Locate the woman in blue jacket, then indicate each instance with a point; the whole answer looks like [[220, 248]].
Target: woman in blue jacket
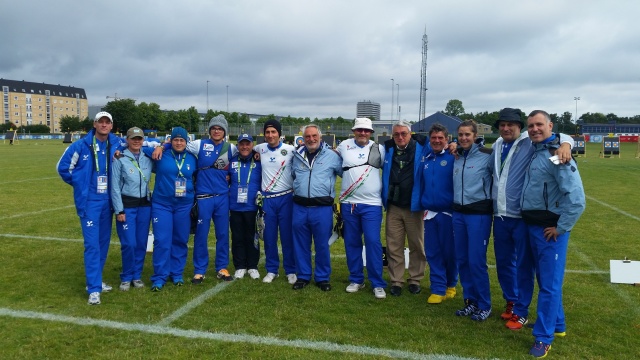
[[131, 200], [170, 207], [472, 217]]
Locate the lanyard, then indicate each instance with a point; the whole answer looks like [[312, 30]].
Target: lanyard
[[135, 163], [178, 165], [95, 156], [240, 173]]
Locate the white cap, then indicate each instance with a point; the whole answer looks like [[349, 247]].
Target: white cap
[[102, 114], [362, 123]]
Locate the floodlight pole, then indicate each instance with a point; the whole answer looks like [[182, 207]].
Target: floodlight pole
[[576, 98]]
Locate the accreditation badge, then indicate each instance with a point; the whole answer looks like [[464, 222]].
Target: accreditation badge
[[243, 192], [102, 184], [181, 187]]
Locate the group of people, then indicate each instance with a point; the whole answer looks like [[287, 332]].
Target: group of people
[[441, 198]]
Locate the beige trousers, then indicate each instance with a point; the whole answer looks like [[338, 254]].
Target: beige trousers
[[403, 223]]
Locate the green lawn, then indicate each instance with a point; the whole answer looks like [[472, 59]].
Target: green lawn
[[44, 312]]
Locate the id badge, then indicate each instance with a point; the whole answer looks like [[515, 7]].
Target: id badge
[[243, 191], [181, 187], [102, 184]]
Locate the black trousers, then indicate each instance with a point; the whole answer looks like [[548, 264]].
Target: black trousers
[[243, 229]]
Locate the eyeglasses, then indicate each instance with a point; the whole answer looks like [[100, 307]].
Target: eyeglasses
[[401, 134], [363, 130], [217, 129]]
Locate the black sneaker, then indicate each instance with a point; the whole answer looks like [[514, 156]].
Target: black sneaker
[[396, 291], [414, 289], [469, 309], [324, 285], [300, 284], [197, 279]]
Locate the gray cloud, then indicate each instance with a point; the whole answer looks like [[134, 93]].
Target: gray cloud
[[318, 58]]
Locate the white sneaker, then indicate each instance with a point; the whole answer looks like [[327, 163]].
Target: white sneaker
[[379, 293], [269, 277], [138, 284], [240, 273], [254, 274], [94, 298], [125, 286], [292, 278], [354, 287], [105, 287]]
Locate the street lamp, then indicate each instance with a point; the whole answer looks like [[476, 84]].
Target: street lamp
[[392, 90], [576, 98], [398, 100], [207, 97]]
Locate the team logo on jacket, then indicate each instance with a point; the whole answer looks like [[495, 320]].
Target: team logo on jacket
[[207, 147], [443, 163], [85, 157], [360, 156], [283, 152], [130, 171], [207, 153]]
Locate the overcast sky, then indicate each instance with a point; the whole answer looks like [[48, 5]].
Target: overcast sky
[[319, 58]]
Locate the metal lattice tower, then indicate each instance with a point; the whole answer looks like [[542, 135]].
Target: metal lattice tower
[[423, 78]]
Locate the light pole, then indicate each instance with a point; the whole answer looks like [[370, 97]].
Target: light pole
[[392, 90], [398, 101], [207, 97], [576, 98]]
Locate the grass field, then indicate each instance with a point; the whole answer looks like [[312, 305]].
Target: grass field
[[44, 312]]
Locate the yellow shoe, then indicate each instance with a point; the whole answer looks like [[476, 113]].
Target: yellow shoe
[[560, 334], [451, 293], [436, 299]]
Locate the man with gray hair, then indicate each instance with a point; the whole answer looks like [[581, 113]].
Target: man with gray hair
[[401, 198], [314, 171], [212, 194]]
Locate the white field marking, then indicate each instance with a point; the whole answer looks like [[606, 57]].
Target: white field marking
[[27, 180], [34, 212], [631, 303], [335, 256], [194, 303], [613, 208], [227, 337]]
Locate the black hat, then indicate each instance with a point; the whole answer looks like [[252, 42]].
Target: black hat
[[510, 115], [275, 124]]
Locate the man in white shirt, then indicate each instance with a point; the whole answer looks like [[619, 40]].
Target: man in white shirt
[[277, 192], [361, 206]]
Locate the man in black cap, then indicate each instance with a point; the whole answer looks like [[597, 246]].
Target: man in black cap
[[277, 193], [511, 155]]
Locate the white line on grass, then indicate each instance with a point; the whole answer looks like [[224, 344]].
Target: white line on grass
[[34, 212], [27, 180], [199, 300], [226, 337], [612, 208], [335, 256]]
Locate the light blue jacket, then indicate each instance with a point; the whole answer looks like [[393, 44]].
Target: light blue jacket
[[77, 165], [552, 193], [314, 184], [472, 181], [127, 180], [508, 178]]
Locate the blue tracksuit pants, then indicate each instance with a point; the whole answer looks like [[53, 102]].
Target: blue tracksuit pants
[[359, 220], [550, 258], [507, 232], [278, 211], [440, 249], [471, 233], [133, 234], [171, 225], [216, 208], [312, 222], [96, 231]]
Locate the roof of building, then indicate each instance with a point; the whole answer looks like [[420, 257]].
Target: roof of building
[[40, 88], [450, 122]]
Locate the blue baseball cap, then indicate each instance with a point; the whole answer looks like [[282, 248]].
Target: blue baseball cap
[[178, 133], [245, 137]]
